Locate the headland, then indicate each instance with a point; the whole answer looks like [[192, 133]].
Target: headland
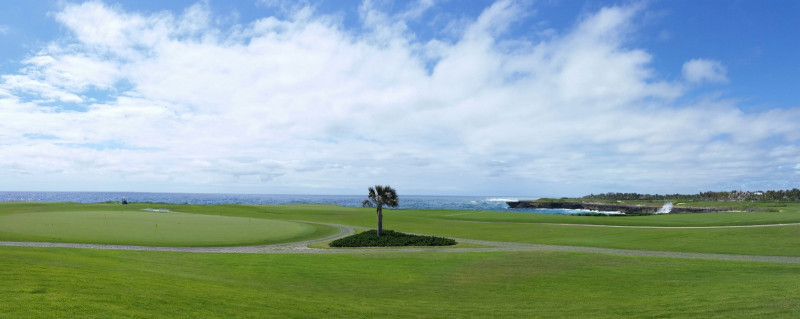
[[628, 209]]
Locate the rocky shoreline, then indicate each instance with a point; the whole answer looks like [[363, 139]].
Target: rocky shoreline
[[628, 209]]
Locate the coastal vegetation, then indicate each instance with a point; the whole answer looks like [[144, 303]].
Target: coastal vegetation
[[617, 207], [792, 195], [379, 196], [370, 238]]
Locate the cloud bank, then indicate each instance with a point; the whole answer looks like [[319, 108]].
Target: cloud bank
[[301, 104]]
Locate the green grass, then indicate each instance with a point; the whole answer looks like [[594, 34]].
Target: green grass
[[779, 241], [688, 219], [152, 228], [783, 241], [522, 227], [77, 283], [81, 283], [366, 217]]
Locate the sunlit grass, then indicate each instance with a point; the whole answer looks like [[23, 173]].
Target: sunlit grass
[[78, 283], [781, 240], [152, 228]]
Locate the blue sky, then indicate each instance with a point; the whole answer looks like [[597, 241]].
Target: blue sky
[[532, 98]]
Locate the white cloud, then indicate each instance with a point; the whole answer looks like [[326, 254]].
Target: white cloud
[[4, 29], [62, 76], [301, 104], [47, 91], [703, 70], [418, 8]]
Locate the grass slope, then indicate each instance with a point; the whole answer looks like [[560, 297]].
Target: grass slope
[[77, 283], [58, 282], [152, 228]]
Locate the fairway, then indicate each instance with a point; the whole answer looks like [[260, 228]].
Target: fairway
[[496, 226], [86, 283], [66, 282], [152, 228]]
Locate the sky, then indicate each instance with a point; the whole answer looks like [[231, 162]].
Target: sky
[[432, 97]]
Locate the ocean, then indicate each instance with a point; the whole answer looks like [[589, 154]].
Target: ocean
[[490, 203]]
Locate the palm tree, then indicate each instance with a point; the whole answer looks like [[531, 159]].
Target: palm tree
[[379, 196]]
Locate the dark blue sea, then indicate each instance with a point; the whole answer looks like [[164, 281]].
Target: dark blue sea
[[491, 203]]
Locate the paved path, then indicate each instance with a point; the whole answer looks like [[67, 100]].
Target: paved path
[[346, 230]]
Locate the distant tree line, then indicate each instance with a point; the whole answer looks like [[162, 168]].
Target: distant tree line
[[771, 195]]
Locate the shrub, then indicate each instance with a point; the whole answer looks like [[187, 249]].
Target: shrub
[[390, 238]]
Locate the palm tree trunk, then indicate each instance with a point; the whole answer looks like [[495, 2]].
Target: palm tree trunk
[[380, 220]]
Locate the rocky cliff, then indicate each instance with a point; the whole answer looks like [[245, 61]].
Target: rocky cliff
[[629, 209]]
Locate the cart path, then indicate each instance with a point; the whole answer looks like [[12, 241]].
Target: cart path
[[347, 230]]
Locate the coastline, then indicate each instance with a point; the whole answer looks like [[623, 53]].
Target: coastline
[[627, 209]]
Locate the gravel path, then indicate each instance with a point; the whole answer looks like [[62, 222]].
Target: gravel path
[[347, 230]]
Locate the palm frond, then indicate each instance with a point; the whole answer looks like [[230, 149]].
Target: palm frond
[[383, 195], [373, 195], [366, 203], [390, 197]]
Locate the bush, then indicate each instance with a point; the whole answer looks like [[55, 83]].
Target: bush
[[390, 238]]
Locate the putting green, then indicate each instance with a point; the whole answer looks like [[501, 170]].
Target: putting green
[[152, 228]]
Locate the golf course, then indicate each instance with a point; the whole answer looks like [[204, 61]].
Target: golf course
[[261, 261], [399, 159], [152, 228]]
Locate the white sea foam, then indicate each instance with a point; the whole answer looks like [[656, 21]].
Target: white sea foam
[[665, 209]]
